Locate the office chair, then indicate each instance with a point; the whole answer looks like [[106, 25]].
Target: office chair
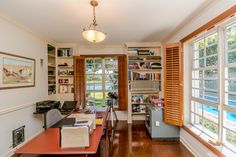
[[52, 117]]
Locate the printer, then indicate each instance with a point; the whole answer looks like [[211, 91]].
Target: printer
[[44, 106]]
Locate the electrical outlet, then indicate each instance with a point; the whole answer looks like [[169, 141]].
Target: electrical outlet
[[157, 123], [18, 136]]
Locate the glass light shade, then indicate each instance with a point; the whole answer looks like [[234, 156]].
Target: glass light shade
[[94, 35]]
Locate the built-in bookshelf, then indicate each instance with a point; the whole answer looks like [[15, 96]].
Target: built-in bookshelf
[[144, 77], [51, 70], [65, 70]]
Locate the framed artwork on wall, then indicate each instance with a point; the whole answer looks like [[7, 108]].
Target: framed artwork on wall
[[16, 71]]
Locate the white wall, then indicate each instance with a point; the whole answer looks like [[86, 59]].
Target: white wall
[[205, 16], [17, 105]]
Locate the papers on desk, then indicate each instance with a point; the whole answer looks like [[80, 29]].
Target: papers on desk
[[82, 116], [74, 137]]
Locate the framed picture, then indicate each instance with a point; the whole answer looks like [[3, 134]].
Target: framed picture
[[16, 71]]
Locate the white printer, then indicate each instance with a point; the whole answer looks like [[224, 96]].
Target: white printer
[[85, 122]]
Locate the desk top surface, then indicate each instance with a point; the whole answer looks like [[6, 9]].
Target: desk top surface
[[48, 142]]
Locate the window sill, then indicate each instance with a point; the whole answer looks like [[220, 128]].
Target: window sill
[[220, 151]]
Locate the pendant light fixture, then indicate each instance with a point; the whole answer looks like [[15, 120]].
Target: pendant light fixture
[[92, 34]]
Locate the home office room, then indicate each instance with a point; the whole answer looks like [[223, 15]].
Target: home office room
[[107, 78]]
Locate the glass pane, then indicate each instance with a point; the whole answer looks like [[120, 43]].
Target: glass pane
[[111, 78], [197, 74], [231, 30], [211, 113], [211, 126], [89, 78], [210, 73], [231, 42], [211, 50], [210, 84], [232, 57], [198, 108], [97, 79], [231, 86], [98, 60], [197, 121], [98, 68], [111, 71], [210, 96], [98, 95], [232, 72], [89, 61], [230, 99], [210, 61], [99, 103], [199, 45], [197, 83], [97, 86], [230, 120], [199, 54], [89, 86], [109, 86], [211, 39], [197, 93], [89, 68], [230, 137], [90, 97]]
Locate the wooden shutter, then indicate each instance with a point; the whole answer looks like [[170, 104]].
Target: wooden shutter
[[173, 111], [122, 82], [79, 80]]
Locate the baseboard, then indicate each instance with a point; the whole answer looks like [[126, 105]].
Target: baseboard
[[11, 152], [189, 147]]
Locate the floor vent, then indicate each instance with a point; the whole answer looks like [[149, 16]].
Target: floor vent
[[18, 136]]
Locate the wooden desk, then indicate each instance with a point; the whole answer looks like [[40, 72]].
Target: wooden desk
[[48, 142]]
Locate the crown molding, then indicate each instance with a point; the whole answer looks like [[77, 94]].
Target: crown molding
[[27, 29], [205, 6]]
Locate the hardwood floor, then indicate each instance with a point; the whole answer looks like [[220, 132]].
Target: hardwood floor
[[134, 141]]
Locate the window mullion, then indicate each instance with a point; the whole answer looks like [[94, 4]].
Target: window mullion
[[221, 82]]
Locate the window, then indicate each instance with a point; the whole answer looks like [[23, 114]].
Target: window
[[101, 78], [213, 85]]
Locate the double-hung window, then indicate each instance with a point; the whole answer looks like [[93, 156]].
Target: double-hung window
[[213, 84]]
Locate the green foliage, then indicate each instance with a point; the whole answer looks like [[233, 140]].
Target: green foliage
[[231, 137]]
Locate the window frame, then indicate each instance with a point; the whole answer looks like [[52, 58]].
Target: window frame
[[221, 66], [103, 75]]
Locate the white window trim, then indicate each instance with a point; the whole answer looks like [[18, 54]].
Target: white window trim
[[221, 68]]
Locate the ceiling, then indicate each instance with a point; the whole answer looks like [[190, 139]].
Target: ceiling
[[123, 20]]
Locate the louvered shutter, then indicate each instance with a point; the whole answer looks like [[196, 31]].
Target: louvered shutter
[[80, 80], [173, 108]]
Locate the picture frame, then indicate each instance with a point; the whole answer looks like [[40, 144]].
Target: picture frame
[[16, 71]]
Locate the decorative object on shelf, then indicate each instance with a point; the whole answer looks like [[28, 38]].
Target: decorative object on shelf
[[65, 72], [17, 71], [63, 81], [92, 34], [63, 89]]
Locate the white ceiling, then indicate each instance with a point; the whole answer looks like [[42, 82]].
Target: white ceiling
[[123, 20]]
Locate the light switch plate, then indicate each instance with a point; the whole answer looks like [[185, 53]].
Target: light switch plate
[[157, 123]]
